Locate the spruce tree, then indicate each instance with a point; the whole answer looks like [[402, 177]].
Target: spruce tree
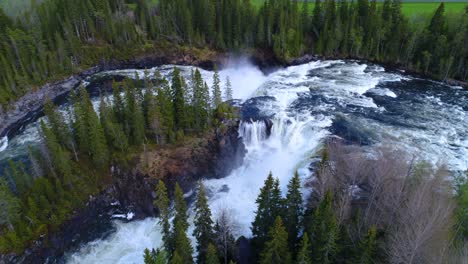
[[211, 256], [9, 205], [59, 157], [113, 130], [203, 231], [59, 126], [164, 101], [177, 259], [324, 232], [178, 100], [17, 172], [148, 257], [97, 140], [294, 211], [182, 247], [216, 90], [201, 102], [162, 203], [229, 92], [366, 251], [304, 254], [276, 248], [270, 206]]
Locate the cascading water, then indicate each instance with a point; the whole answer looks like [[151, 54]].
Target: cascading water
[[294, 110], [3, 143], [306, 103]]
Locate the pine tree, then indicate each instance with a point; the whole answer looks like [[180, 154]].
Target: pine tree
[[304, 256], [211, 256], [182, 246], [17, 172], [203, 231], [437, 25], [134, 117], [217, 100], [178, 100], [270, 206], [177, 259], [162, 203], [88, 129], [366, 252], [164, 101], [59, 127], [276, 248], [201, 102], [114, 132], [324, 232], [59, 157], [148, 257], [294, 211], [229, 92], [98, 145], [317, 20], [9, 205]]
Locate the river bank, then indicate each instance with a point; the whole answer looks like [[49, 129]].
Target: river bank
[[338, 88], [29, 106], [131, 194]]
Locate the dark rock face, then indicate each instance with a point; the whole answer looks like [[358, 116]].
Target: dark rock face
[[133, 191]]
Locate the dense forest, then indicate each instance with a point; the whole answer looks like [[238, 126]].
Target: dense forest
[[396, 201], [56, 38], [79, 147], [400, 213]]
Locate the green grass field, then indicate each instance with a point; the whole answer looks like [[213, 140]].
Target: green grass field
[[409, 8]]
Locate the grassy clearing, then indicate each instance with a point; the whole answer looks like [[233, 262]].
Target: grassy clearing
[[409, 8]]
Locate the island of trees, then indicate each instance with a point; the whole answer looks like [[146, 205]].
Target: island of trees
[[75, 156], [57, 38]]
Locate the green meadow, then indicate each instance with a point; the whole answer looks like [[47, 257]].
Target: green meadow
[[409, 8]]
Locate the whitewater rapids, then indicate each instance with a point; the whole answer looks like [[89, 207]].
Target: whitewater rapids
[[307, 103]]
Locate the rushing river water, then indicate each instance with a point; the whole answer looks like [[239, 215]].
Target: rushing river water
[[307, 103]]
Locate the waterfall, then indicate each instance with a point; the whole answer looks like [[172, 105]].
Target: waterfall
[[253, 133], [3, 143], [306, 100]]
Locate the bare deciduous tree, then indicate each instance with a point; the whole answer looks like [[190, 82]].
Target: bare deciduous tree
[[225, 228], [413, 203]]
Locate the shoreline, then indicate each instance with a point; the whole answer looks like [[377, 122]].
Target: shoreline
[[30, 105]]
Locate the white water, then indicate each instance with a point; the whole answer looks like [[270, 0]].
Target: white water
[[3, 143], [294, 138], [307, 100]]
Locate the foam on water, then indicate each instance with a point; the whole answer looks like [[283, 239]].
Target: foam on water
[[430, 122], [307, 99], [124, 246], [3, 143]]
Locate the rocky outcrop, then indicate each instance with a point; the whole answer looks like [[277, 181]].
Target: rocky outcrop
[[132, 189], [212, 156]]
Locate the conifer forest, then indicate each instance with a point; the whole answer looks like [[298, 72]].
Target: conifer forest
[[234, 131]]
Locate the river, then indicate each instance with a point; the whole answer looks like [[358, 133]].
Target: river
[[306, 103]]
